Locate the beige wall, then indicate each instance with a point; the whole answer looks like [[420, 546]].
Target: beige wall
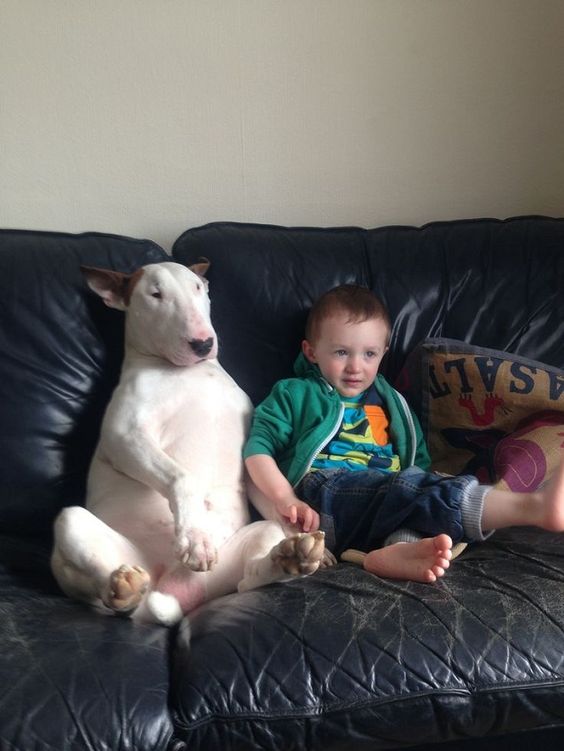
[[148, 116]]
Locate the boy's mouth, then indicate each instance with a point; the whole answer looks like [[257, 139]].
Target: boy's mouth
[[352, 382]]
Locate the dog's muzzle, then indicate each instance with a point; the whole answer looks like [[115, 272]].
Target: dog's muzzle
[[201, 347]]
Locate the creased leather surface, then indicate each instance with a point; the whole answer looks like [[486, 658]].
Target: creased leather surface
[[71, 678], [343, 660]]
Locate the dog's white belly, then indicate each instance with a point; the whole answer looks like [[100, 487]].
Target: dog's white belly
[[136, 511], [205, 431], [200, 420]]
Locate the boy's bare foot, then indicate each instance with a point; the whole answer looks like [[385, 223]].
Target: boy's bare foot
[[422, 561]]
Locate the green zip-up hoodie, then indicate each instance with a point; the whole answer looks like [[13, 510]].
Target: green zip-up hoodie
[[301, 414]]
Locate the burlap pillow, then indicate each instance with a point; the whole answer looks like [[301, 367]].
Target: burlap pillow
[[495, 415]]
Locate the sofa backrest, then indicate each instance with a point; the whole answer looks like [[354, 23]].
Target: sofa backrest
[[499, 284], [494, 283], [60, 354]]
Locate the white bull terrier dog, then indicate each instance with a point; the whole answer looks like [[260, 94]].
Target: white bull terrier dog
[[166, 524]]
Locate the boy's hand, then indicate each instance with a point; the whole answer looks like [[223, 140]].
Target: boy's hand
[[267, 478], [301, 514]]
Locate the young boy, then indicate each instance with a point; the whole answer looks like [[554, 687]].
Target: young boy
[[338, 449]]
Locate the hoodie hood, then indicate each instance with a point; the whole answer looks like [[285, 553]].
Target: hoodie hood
[[303, 368]]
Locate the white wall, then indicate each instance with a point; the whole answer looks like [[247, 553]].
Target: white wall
[[146, 117]]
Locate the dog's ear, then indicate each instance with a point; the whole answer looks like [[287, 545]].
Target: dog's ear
[[114, 287], [201, 266]]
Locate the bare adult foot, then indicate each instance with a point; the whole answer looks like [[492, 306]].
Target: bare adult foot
[[300, 554], [552, 498], [541, 508], [127, 586], [423, 561]]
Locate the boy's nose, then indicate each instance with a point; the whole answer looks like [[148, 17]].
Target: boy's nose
[[353, 364]]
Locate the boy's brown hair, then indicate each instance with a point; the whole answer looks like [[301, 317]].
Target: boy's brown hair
[[359, 303]]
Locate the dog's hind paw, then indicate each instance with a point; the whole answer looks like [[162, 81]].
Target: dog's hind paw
[[300, 554], [328, 559], [127, 587]]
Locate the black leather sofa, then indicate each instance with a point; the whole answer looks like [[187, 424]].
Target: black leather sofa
[[342, 659]]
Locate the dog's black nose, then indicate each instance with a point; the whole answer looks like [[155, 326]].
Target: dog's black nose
[[201, 347]]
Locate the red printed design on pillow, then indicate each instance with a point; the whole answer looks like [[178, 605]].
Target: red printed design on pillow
[[520, 463], [492, 414], [524, 458], [486, 415]]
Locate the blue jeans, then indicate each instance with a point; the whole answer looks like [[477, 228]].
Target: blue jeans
[[359, 509]]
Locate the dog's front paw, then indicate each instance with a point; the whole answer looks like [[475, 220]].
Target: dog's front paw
[[195, 549]]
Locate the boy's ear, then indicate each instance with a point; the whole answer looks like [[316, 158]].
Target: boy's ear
[[307, 349]]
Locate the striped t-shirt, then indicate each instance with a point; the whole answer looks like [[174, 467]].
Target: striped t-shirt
[[362, 440]]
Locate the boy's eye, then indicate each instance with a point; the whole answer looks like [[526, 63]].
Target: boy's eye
[[341, 352], [371, 354]]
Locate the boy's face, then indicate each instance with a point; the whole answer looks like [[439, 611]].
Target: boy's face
[[348, 353]]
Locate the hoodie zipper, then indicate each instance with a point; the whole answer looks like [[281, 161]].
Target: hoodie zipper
[[324, 441], [411, 426]]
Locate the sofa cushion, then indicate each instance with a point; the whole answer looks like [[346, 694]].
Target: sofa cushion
[[345, 660], [490, 413], [71, 678], [447, 279], [61, 353]]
